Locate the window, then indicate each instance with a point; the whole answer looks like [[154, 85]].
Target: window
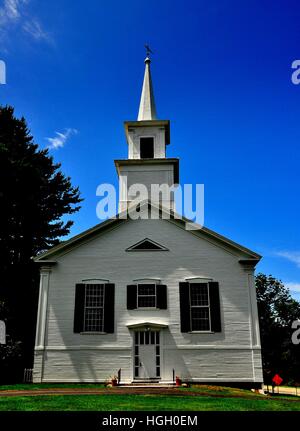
[[200, 309], [93, 308], [147, 245], [202, 301], [146, 295], [147, 148]]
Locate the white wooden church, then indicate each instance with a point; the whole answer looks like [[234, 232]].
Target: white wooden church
[[148, 297]]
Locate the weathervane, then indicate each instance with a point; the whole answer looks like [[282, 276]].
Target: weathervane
[[148, 50]]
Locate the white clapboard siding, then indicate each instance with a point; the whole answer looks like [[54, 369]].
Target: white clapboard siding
[[227, 356]]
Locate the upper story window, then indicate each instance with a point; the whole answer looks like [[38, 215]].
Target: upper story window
[[147, 148]]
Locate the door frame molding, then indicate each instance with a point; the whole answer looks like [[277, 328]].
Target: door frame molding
[[141, 329]]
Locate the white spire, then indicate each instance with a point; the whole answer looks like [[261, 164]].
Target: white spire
[[147, 110]]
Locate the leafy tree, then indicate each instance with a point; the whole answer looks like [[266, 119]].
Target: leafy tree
[[34, 196], [277, 311]]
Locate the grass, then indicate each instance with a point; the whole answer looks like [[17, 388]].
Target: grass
[[210, 398], [143, 403]]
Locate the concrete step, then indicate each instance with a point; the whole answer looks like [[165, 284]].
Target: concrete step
[[148, 384]]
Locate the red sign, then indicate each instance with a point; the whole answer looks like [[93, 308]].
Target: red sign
[[277, 380]]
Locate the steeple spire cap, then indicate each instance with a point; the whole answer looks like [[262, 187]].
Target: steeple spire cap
[[147, 109]]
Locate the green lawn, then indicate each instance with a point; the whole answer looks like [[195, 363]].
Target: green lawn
[[209, 398], [143, 402]]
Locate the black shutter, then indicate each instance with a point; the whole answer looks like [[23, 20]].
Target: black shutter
[[161, 296], [184, 295], [79, 308], [131, 296], [215, 312], [109, 308]]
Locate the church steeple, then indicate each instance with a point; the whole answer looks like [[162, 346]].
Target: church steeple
[[147, 110], [147, 139]]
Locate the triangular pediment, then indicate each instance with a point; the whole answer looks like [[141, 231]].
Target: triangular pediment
[[147, 244], [48, 257]]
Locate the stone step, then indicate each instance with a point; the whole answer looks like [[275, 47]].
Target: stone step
[[147, 385]]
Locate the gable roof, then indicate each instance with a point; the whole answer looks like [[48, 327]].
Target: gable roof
[[122, 218]]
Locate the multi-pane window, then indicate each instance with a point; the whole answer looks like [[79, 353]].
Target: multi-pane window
[[94, 308], [146, 295], [200, 307]]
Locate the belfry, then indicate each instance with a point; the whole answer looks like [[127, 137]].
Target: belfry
[[147, 140]]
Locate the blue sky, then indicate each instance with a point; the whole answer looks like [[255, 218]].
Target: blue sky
[[222, 75]]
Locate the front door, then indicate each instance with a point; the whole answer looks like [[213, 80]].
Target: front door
[[146, 355], [147, 362]]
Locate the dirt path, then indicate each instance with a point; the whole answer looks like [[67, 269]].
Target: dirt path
[[101, 391]]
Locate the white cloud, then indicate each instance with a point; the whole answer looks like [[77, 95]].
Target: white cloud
[[61, 138], [11, 11], [292, 256], [14, 15], [292, 286], [34, 28]]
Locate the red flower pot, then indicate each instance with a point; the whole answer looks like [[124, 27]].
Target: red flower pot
[[178, 381]]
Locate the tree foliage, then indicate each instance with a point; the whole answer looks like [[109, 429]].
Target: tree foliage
[[10, 353], [34, 193], [277, 311], [35, 198]]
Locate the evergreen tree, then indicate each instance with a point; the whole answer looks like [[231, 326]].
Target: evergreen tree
[[34, 196]]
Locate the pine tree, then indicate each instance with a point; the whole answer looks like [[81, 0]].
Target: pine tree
[[34, 196]]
